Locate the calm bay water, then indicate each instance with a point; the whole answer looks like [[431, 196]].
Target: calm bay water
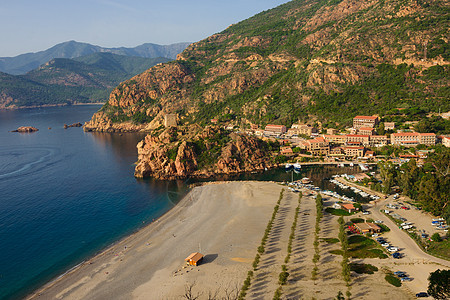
[[66, 194]]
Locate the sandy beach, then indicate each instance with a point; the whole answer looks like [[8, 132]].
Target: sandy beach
[[226, 222]]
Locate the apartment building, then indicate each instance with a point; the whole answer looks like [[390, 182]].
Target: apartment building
[[275, 129], [365, 121], [411, 139], [356, 139], [354, 151]]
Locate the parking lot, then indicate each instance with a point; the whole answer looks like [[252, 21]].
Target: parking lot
[[417, 264], [418, 218]]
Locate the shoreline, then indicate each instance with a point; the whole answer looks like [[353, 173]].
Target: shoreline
[[104, 251], [138, 259]]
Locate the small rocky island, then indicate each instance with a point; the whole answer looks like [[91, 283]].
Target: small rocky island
[[73, 125], [26, 129]]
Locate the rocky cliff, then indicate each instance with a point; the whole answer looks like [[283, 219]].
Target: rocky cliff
[[330, 59], [195, 152]]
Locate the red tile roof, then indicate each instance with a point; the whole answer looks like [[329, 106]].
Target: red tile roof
[[366, 117]]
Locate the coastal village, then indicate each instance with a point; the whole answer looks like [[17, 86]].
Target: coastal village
[[305, 142]]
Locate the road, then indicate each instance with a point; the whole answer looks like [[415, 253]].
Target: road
[[415, 262]]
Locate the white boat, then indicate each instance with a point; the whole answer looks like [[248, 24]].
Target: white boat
[[363, 167], [305, 180]]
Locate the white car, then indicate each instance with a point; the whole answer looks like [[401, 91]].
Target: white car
[[385, 245], [392, 249], [378, 221]]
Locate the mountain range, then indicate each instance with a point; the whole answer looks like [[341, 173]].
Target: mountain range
[[88, 78], [308, 60], [24, 63]]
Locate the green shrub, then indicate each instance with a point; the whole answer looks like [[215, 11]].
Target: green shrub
[[395, 281], [363, 268], [282, 278], [331, 240], [277, 295], [357, 220], [436, 237]]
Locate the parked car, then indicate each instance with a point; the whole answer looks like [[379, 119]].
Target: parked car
[[385, 245], [406, 279], [424, 235], [399, 272], [378, 221], [392, 249], [403, 275], [396, 255], [366, 212], [422, 294]]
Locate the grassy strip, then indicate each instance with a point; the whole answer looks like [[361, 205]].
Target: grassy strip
[[283, 276], [337, 212], [319, 215], [261, 249], [344, 246]]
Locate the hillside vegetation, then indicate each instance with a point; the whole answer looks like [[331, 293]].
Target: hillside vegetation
[[326, 60]]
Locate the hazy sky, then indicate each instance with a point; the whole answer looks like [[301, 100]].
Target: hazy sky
[[35, 25]]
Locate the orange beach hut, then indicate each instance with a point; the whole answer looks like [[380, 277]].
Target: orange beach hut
[[194, 259]]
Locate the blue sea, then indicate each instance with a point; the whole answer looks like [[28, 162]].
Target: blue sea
[[66, 194]]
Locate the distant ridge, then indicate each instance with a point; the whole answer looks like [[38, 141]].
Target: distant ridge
[[24, 63], [83, 79]]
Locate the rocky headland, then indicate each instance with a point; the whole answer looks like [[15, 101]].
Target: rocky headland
[[195, 152], [26, 129], [102, 123]]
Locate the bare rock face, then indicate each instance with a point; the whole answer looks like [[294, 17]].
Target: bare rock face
[[101, 122], [198, 152], [26, 129]]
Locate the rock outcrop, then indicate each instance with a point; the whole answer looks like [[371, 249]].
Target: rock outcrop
[[73, 125], [26, 129], [102, 123], [175, 154]]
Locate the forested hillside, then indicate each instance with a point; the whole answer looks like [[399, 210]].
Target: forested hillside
[[326, 60]]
